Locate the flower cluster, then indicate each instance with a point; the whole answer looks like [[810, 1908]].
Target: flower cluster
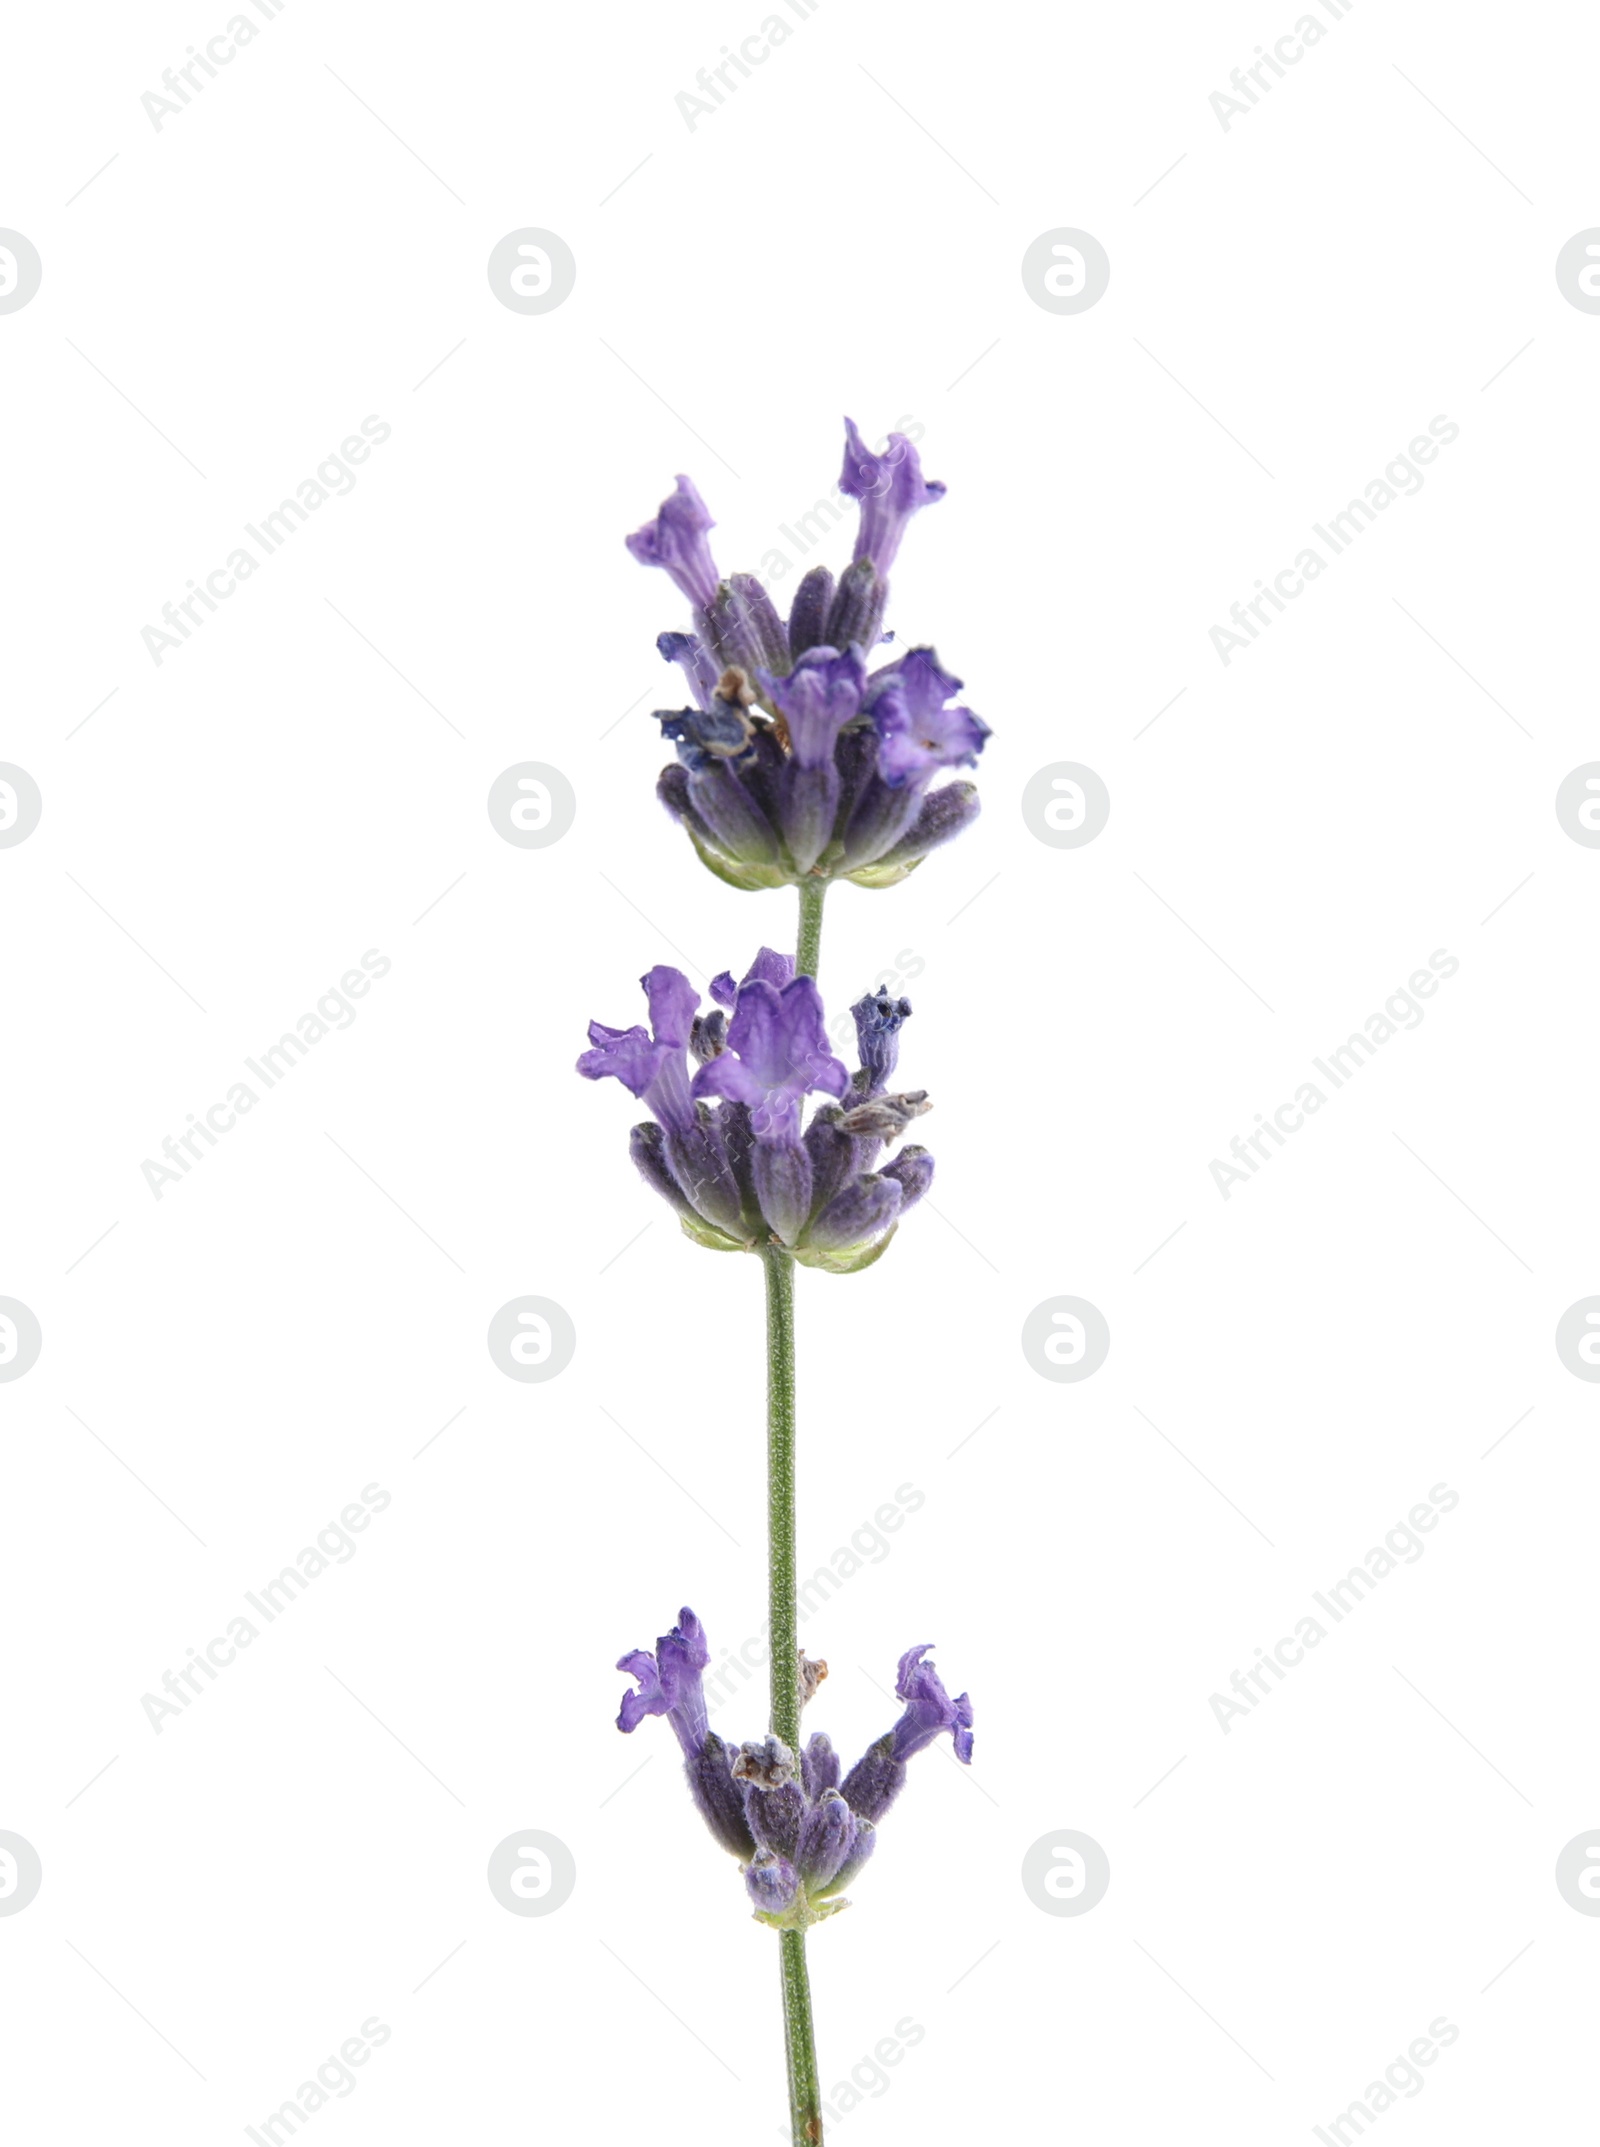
[[725, 1145], [796, 762], [800, 1833]]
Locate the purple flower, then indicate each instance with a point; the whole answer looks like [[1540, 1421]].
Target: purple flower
[[676, 540], [686, 1157], [818, 698], [890, 488], [725, 1148], [929, 1709], [878, 1777], [670, 1683], [800, 1837], [651, 1064], [917, 733], [781, 780], [777, 1053]]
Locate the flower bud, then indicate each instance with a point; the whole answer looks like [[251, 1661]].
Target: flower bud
[[771, 1883]]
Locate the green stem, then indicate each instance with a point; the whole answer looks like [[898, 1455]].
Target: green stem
[[805, 2088], [799, 2041], [780, 1496], [805, 2095], [808, 950]]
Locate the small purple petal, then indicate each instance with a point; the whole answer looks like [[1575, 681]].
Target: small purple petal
[[890, 487], [630, 1056], [818, 698], [672, 1000], [915, 742], [770, 967], [670, 1683], [676, 540]]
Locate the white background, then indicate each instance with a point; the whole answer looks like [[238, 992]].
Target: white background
[[1288, 841]]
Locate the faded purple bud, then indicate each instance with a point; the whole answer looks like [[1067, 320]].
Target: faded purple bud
[[855, 618], [742, 626], [819, 1765], [719, 732], [863, 1211], [672, 788], [813, 1672], [708, 1036], [833, 1156], [690, 653], [946, 813], [734, 820], [718, 1797], [808, 615], [768, 1764], [827, 1835], [676, 540], [782, 1173], [913, 1170], [875, 1780], [775, 1816], [808, 806], [861, 1847], [771, 1883], [885, 1118], [696, 1159], [878, 1020], [645, 1147]]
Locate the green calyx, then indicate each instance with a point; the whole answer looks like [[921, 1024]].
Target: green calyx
[[803, 1911], [844, 1260]]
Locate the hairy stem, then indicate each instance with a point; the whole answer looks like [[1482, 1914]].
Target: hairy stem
[[808, 949], [799, 2042], [805, 2108], [780, 1496], [805, 2088]]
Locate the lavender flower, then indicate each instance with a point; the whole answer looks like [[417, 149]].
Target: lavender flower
[[676, 540], [726, 1146], [670, 1684], [800, 1836], [890, 488], [879, 1775], [794, 762]]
